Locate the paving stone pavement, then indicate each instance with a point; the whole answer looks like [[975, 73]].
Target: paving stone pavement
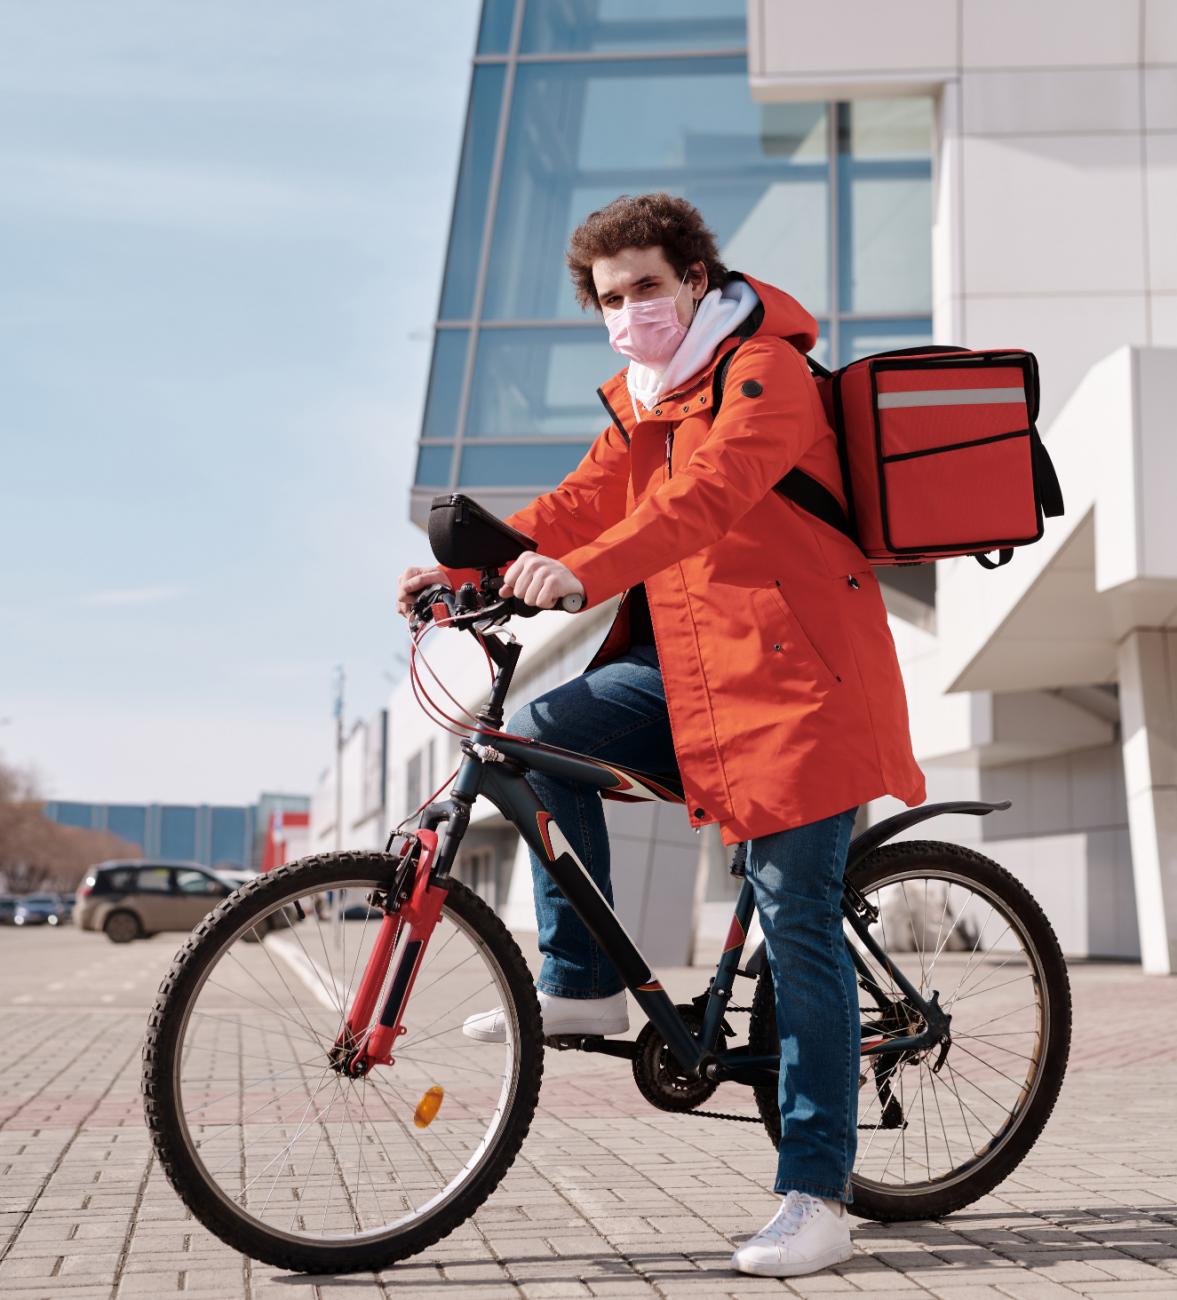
[[609, 1197]]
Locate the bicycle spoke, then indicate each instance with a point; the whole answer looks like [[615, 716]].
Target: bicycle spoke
[[1026, 975], [1019, 1085], [940, 1114], [988, 1039]]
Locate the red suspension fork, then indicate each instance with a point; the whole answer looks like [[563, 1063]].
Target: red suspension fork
[[406, 934]]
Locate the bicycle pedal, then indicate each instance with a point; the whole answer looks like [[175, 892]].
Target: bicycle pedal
[[572, 1042]]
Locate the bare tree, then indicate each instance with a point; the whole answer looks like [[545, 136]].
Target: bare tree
[[36, 853]]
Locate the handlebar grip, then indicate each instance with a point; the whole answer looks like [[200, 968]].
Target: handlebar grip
[[570, 604]]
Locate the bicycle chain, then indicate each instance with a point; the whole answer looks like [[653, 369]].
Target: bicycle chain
[[720, 1114]]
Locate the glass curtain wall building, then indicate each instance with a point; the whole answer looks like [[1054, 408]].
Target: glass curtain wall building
[[573, 102]]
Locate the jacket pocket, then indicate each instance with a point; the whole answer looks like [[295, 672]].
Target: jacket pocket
[[786, 639]]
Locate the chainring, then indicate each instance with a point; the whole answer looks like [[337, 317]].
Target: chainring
[[658, 1075]]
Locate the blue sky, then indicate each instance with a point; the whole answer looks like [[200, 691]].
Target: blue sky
[[221, 236]]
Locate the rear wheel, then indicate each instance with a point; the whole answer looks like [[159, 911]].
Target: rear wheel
[[282, 1155], [122, 927], [940, 1127]]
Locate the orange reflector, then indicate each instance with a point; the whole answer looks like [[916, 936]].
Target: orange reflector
[[428, 1106]]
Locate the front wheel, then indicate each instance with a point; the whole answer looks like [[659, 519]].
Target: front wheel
[[276, 1150], [942, 1126]]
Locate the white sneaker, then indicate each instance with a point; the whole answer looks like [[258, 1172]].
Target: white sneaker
[[806, 1234], [560, 1016]]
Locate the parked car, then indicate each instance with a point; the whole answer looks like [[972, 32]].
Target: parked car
[[7, 909], [133, 900], [39, 909], [67, 907]]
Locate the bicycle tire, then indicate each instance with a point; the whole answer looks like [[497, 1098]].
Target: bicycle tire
[[870, 1200], [163, 1042]]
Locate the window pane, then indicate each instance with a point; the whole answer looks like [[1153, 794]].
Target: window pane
[[445, 384], [433, 466], [623, 25], [863, 338], [885, 210], [534, 465], [580, 134], [891, 128], [494, 35], [154, 880], [540, 381], [228, 836], [128, 822], [195, 882], [482, 125], [177, 832]]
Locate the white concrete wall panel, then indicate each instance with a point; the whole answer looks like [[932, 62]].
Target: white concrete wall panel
[[1096, 781], [1161, 181], [1053, 213], [1069, 334], [1160, 31], [1163, 319], [1160, 98], [901, 35], [1062, 100], [1148, 695], [1048, 34], [1111, 897], [1156, 456], [1150, 745]]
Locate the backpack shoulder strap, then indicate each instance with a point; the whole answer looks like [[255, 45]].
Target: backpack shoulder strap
[[816, 369], [719, 378]]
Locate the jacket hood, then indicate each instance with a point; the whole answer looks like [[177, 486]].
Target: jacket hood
[[781, 316]]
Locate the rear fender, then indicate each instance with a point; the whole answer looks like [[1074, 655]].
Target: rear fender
[[870, 839]]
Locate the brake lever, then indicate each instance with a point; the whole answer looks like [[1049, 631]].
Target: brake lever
[[437, 594]]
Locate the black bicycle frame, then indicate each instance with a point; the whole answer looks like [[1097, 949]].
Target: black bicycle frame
[[495, 767]]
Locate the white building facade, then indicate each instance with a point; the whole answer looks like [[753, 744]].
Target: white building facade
[[348, 804], [1052, 682], [988, 173]]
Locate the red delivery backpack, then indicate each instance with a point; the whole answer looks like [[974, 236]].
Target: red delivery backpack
[[939, 454]]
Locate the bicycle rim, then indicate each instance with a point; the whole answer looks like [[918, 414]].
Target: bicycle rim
[[292, 1148], [929, 1119]]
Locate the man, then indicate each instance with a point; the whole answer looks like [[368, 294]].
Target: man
[[750, 651]]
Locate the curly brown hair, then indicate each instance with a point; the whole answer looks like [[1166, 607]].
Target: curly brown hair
[[642, 221]]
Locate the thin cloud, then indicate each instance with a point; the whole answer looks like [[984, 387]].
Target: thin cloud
[[129, 597]]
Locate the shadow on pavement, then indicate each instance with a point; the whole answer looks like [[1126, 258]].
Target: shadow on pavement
[[962, 1241]]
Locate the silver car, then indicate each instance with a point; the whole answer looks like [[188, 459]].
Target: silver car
[[132, 900]]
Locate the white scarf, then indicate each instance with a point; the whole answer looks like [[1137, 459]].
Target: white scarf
[[719, 312]]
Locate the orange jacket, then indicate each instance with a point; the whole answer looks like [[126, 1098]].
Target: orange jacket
[[784, 694]]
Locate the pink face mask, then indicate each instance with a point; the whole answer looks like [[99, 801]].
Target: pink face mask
[[647, 332]]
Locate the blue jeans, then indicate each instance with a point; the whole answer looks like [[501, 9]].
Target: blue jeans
[[617, 712]]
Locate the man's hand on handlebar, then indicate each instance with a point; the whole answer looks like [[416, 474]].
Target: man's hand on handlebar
[[415, 579], [540, 581]]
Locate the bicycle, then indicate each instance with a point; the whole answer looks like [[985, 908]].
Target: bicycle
[[320, 1109]]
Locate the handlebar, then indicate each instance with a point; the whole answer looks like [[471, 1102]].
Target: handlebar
[[469, 607]]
